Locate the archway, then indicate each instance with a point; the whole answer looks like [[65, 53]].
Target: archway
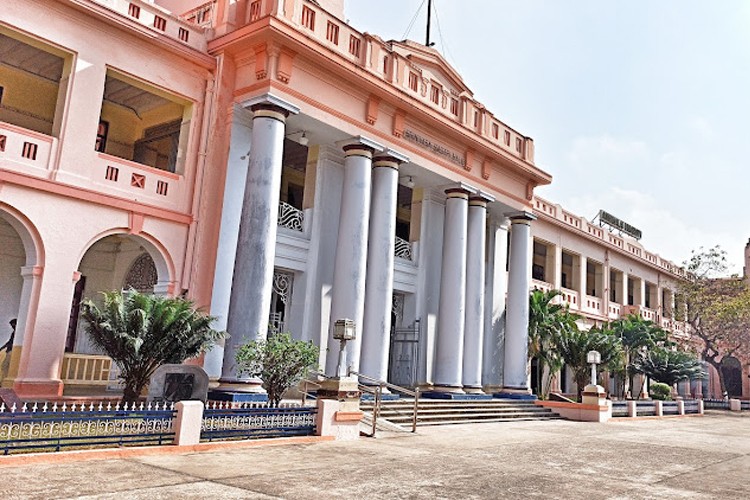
[[114, 262], [20, 257], [731, 369]]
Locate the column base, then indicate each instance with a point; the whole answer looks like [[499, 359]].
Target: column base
[[513, 393], [238, 391], [473, 390], [37, 389], [452, 393]]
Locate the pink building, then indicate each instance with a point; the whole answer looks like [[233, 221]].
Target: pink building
[[284, 170]]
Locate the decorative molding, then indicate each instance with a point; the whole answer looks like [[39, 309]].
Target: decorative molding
[[135, 222], [486, 169], [373, 105], [469, 160], [261, 62], [285, 66], [398, 123]]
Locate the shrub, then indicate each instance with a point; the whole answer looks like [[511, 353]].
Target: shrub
[[660, 391], [280, 361]]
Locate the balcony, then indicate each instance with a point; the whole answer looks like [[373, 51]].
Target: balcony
[[541, 285], [643, 312], [158, 20], [142, 183], [591, 305], [24, 150], [615, 310], [570, 297], [290, 217], [403, 249]]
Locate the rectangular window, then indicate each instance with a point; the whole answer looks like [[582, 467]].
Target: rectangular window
[[160, 23], [454, 107], [518, 144], [134, 11], [255, 10], [308, 18], [476, 119], [332, 33], [354, 45], [495, 130], [29, 150], [413, 81], [112, 173], [184, 34], [507, 138], [435, 94], [101, 136]]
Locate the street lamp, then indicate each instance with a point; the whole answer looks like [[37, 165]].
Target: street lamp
[[594, 358], [343, 330]]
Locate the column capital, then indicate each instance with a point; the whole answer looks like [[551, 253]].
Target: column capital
[[360, 146], [460, 190], [388, 157], [270, 106], [522, 217], [480, 199]]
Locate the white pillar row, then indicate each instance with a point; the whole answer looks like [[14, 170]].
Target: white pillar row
[[515, 376], [624, 289], [557, 281], [452, 309], [475, 277], [493, 347], [231, 214], [348, 300], [380, 256], [250, 300], [582, 275]]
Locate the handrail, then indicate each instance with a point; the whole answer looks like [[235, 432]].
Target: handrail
[[380, 384]]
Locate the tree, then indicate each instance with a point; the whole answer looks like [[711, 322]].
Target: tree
[[717, 308], [140, 332], [544, 325], [574, 345], [279, 361], [636, 335], [668, 366]]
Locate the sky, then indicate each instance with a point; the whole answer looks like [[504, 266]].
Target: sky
[[637, 107]]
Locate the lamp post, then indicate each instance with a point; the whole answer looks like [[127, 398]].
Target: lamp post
[[343, 330], [594, 358]]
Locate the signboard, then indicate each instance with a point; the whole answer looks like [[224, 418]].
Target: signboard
[[615, 223], [438, 149]]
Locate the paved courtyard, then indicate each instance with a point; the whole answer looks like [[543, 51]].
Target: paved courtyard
[[696, 457]]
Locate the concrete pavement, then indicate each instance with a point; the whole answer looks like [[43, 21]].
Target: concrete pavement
[[690, 457]]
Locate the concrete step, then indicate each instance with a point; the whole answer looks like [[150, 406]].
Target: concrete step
[[447, 412]]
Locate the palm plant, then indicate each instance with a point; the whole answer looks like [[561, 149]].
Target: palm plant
[[574, 345], [547, 320], [140, 332], [637, 335], [669, 366]]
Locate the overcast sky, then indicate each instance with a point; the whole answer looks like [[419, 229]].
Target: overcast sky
[[639, 107]]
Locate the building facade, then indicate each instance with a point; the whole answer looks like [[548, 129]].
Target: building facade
[[283, 170]]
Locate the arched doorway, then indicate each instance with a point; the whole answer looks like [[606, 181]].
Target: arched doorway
[[731, 369], [115, 262], [20, 255]]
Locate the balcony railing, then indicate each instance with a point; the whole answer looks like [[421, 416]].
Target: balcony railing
[[541, 285], [24, 150], [290, 217], [403, 249], [591, 304], [85, 369], [570, 297]]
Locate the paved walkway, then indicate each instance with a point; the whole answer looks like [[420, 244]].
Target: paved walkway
[[692, 457]]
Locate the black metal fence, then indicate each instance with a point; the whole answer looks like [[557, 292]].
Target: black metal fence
[[53, 427], [252, 421]]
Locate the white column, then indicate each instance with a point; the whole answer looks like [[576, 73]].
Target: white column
[[515, 377], [582, 275], [348, 301], [475, 274], [380, 256], [231, 212], [624, 299], [557, 280], [250, 299], [451, 314], [493, 347]]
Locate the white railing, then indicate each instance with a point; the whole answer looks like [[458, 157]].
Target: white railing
[[615, 310], [402, 249], [570, 297], [541, 285], [24, 150], [85, 369], [591, 304], [290, 217]]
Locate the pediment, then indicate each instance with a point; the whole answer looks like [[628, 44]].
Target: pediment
[[433, 64]]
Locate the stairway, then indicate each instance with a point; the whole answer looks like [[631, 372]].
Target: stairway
[[443, 412]]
